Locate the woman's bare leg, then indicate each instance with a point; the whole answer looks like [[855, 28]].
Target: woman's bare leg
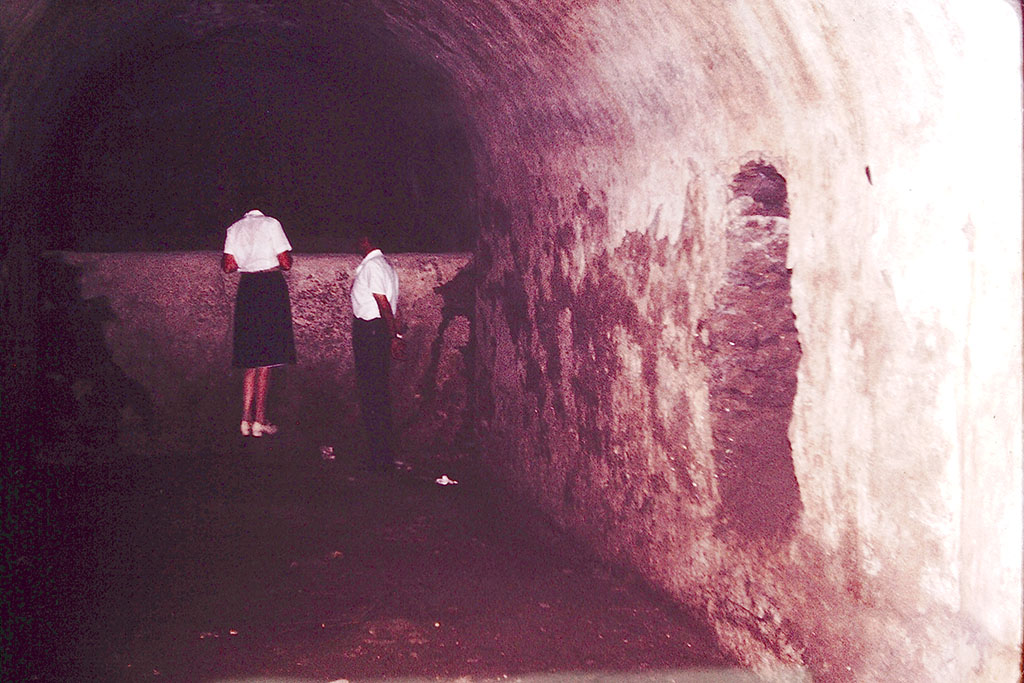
[[248, 392], [262, 380]]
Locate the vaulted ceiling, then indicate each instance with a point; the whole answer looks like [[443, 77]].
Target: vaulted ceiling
[[152, 127]]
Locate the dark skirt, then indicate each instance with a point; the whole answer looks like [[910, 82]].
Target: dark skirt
[[263, 321]]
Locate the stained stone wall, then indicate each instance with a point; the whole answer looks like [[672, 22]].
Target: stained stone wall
[[152, 331], [790, 422]]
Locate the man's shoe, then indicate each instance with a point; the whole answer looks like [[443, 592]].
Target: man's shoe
[[246, 428], [259, 429]]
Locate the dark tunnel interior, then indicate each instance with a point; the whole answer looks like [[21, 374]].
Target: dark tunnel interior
[[703, 324], [173, 129]]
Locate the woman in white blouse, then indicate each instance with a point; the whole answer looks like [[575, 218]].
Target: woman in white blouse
[[257, 247]]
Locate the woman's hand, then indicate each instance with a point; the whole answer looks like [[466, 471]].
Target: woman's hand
[[228, 263]]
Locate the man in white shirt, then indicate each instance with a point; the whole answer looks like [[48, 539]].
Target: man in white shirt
[[376, 339]]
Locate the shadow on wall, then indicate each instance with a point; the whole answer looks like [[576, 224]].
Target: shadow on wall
[[449, 388], [88, 406]]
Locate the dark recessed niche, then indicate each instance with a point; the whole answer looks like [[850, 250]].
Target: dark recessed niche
[[753, 353], [763, 184]]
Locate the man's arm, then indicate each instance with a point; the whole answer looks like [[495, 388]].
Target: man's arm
[[228, 263], [285, 260], [397, 343], [384, 306]]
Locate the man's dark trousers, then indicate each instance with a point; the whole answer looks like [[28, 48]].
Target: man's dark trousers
[[371, 348]]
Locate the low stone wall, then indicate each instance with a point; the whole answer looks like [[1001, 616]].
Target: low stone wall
[[144, 340]]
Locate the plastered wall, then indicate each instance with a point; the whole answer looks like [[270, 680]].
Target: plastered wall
[[620, 327]]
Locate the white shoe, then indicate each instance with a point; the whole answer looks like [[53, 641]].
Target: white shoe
[[246, 428], [259, 429]]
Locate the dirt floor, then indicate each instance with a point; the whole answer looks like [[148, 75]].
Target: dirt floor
[[260, 559]]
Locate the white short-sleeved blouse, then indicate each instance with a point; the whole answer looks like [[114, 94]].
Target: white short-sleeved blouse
[[255, 241]]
